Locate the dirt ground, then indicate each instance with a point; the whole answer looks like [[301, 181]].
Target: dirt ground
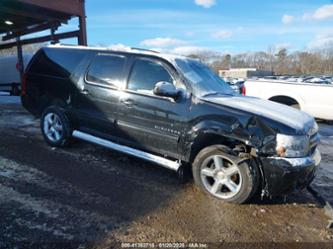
[[87, 196]]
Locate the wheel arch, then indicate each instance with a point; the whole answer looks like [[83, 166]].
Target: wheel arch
[[47, 100], [206, 139], [286, 100], [62, 104]]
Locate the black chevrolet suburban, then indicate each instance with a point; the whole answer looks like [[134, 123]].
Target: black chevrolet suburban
[[175, 112]]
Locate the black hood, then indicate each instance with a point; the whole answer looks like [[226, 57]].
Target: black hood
[[285, 115]]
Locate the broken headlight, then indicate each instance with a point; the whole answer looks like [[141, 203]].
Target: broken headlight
[[292, 146]]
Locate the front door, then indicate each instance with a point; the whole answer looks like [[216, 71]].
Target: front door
[[147, 121]]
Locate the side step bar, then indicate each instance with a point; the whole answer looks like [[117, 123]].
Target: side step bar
[[173, 165]]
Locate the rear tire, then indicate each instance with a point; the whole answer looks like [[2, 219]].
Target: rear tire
[[223, 176], [55, 126]]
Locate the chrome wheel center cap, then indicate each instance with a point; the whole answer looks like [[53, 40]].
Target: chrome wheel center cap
[[220, 175]]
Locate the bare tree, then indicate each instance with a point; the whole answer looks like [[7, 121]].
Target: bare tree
[[317, 62]]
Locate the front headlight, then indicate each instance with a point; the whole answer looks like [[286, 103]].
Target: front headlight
[[292, 146]]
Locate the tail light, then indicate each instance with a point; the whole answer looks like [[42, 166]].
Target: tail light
[[243, 90], [24, 85]]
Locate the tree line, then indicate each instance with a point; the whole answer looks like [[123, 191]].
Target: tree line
[[316, 62]]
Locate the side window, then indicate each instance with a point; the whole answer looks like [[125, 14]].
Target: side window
[[57, 62], [145, 74], [107, 70]]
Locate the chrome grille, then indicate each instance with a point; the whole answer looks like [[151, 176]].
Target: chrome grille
[[314, 141]]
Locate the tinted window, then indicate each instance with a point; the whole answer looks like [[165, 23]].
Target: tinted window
[[57, 62], [145, 74], [107, 70], [202, 79]]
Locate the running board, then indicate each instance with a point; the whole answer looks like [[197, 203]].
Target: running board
[[173, 165]]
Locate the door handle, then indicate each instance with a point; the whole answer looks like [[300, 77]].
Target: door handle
[[85, 92], [127, 102]]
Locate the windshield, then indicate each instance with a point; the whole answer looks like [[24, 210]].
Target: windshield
[[203, 81]]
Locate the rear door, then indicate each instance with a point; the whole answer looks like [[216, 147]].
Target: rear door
[[99, 96]]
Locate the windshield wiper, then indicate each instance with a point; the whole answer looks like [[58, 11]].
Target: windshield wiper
[[216, 93], [211, 94]]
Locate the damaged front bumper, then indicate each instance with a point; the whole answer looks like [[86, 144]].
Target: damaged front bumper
[[284, 175]]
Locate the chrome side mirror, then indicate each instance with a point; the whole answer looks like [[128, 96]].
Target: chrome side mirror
[[166, 89]]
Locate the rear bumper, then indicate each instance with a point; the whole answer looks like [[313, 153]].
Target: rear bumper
[[284, 175]]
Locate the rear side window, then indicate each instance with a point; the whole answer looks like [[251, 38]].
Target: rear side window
[[107, 69], [57, 62], [145, 74]]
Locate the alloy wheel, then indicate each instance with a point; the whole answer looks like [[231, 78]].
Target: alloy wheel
[[53, 127], [221, 177]]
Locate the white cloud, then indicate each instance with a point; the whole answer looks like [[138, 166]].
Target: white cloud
[[180, 50], [205, 3], [119, 46], [187, 50], [162, 42], [324, 12], [286, 19], [321, 42], [222, 34]]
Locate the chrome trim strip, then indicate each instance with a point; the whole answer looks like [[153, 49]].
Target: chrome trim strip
[[173, 165], [156, 132]]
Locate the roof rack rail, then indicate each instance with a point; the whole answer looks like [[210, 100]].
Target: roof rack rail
[[143, 49], [107, 48]]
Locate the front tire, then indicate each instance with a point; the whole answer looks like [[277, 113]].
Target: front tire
[[224, 176], [55, 126]]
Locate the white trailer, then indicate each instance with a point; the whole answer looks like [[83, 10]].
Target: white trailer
[[9, 74]]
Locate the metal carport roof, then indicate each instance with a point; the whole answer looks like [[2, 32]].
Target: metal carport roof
[[24, 17]]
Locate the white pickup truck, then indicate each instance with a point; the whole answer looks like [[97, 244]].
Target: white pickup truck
[[315, 99], [9, 75]]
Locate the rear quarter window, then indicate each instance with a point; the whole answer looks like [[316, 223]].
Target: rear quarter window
[[57, 62]]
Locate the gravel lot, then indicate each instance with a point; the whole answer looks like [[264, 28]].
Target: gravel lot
[[90, 197]]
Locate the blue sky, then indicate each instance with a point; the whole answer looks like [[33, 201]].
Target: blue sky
[[231, 26]]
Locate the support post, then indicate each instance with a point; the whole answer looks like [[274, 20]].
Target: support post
[[53, 39], [20, 65], [82, 38]]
